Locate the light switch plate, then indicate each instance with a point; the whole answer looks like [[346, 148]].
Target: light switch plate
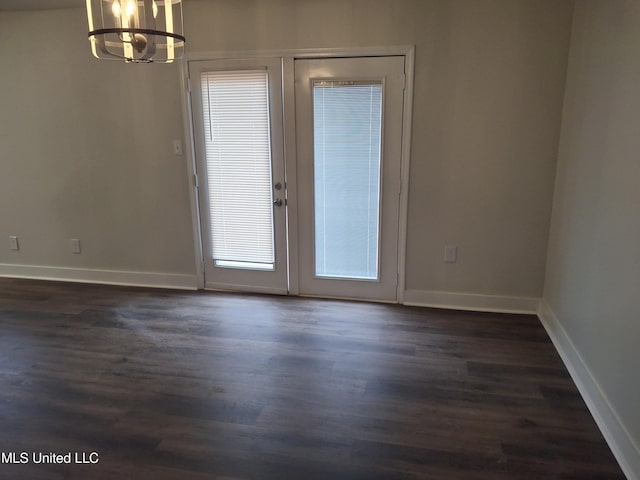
[[450, 253], [13, 243], [177, 147], [75, 245]]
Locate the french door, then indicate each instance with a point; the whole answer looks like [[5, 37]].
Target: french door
[[349, 142], [348, 130], [237, 118]]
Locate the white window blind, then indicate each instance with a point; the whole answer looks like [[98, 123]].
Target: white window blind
[[347, 137], [238, 162]]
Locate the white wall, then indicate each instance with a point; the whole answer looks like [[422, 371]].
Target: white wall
[[489, 83], [86, 145], [592, 283], [86, 152]]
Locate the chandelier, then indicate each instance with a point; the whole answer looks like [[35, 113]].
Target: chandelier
[[136, 31]]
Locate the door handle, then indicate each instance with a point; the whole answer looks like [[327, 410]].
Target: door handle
[[277, 202]]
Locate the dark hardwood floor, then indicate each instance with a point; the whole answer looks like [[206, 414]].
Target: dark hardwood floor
[[199, 385]]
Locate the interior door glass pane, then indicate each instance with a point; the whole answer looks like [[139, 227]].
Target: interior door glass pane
[[347, 143], [238, 162]]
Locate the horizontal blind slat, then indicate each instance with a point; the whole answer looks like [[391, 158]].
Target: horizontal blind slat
[[238, 162], [347, 163]]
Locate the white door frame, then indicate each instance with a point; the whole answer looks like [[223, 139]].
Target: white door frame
[[288, 57], [275, 280], [387, 75]]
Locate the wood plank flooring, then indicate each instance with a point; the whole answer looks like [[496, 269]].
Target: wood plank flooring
[[201, 385]]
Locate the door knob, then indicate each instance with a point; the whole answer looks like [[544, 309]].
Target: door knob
[[277, 202]]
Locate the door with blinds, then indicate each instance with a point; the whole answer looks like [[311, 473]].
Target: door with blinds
[[349, 117], [240, 167]]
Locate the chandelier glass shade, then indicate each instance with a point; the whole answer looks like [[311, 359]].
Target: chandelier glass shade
[[136, 31]]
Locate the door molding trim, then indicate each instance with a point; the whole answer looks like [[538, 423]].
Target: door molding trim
[[290, 169], [394, 50], [287, 57], [407, 127], [190, 160]]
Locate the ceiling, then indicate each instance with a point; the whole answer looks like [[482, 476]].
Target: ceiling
[[39, 4]]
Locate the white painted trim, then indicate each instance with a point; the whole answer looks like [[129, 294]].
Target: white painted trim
[[303, 53], [471, 301], [106, 277], [190, 165], [290, 167], [390, 71], [288, 56], [407, 123], [626, 451]]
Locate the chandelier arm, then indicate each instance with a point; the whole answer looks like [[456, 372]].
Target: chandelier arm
[[148, 31]]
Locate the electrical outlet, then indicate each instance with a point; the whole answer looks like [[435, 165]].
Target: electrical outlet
[[177, 148], [75, 245], [450, 253], [13, 243]]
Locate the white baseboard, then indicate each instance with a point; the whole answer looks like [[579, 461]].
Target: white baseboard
[[108, 277], [621, 443], [471, 301]]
